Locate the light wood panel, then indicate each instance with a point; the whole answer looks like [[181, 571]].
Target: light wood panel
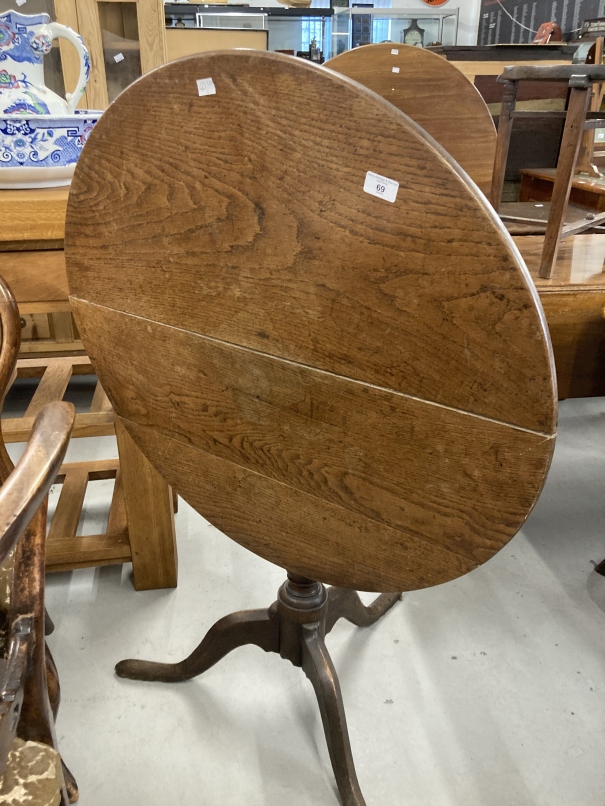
[[34, 276], [89, 28], [152, 33], [30, 215], [471, 69], [188, 41], [358, 390], [150, 515], [435, 94]]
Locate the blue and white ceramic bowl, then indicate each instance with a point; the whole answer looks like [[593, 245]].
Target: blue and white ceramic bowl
[[41, 151]]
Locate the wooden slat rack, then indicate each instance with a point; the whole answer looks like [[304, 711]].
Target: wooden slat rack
[[64, 549], [32, 262]]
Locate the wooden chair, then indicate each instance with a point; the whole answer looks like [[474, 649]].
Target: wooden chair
[[580, 79], [30, 765], [435, 94], [348, 375]]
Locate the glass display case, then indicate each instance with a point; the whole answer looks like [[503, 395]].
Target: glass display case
[[207, 30], [230, 19], [365, 25], [308, 33], [125, 39], [121, 46], [305, 32]]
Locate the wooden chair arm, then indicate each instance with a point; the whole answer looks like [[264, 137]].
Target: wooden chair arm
[[25, 489]]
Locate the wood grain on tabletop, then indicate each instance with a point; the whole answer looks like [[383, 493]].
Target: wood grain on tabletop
[[435, 94], [360, 391]]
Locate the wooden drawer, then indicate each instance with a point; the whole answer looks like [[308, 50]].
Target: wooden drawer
[[35, 276], [577, 330]]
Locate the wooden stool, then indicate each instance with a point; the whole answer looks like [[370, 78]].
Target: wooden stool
[[354, 386], [580, 79], [435, 94]]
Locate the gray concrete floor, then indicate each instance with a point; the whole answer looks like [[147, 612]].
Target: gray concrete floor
[[487, 691]]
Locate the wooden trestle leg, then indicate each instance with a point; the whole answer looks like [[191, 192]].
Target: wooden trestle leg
[[294, 627]]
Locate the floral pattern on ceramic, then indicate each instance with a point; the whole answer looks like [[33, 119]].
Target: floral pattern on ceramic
[[42, 150], [24, 42]]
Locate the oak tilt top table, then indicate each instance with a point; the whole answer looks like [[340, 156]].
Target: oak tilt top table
[[435, 94], [319, 332]]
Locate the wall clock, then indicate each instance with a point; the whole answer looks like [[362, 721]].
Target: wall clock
[[414, 35]]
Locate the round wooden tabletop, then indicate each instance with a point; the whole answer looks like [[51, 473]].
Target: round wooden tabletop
[[310, 321], [435, 94]]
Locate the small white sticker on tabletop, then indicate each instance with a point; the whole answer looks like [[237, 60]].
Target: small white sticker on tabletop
[[119, 57], [205, 86], [20, 2], [381, 187], [394, 52], [395, 69]]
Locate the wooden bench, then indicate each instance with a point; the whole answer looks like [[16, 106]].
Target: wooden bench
[[141, 519]]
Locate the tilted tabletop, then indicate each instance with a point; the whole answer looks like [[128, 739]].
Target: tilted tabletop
[[356, 389], [435, 94]]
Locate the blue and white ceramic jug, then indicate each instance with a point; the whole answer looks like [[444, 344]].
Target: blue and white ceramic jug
[[24, 42]]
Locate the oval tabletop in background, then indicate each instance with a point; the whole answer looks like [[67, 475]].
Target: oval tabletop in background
[[435, 94], [349, 378]]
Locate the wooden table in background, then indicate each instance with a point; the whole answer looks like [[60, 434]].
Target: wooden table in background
[[537, 185], [32, 262], [573, 300]]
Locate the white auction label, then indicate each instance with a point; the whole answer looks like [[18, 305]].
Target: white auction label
[[394, 52], [395, 69], [119, 57], [380, 186], [205, 86]]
